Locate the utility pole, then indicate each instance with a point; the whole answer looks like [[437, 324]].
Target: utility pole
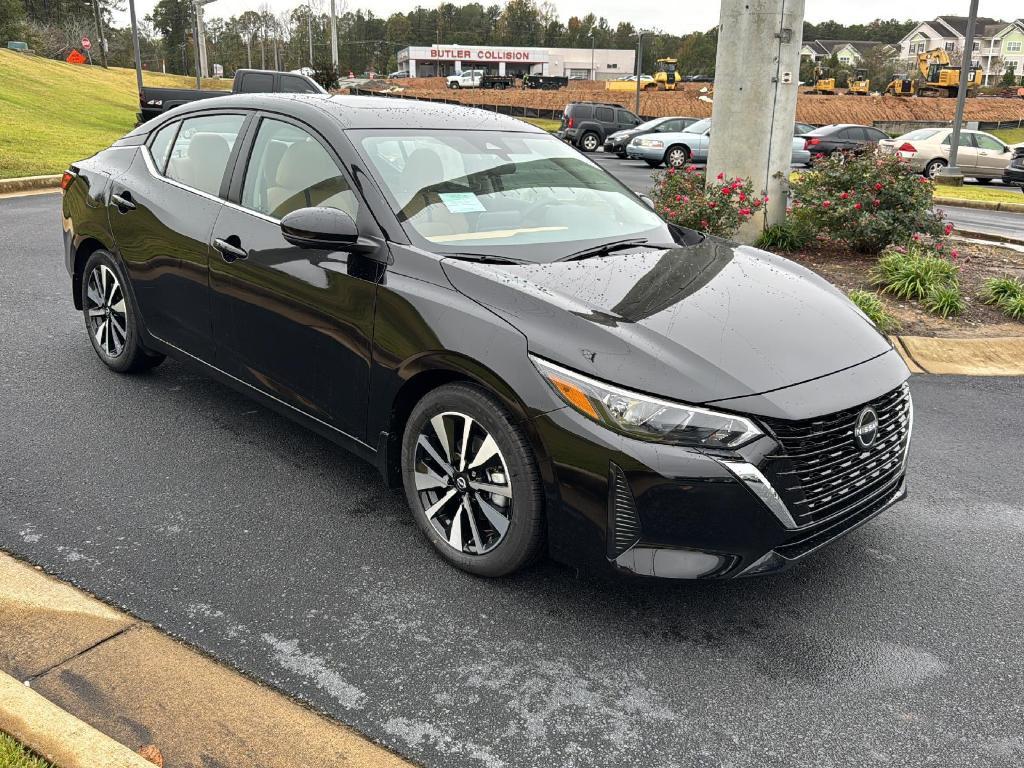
[[593, 72], [99, 33], [195, 41], [334, 38], [204, 65], [951, 174], [756, 77], [135, 45], [639, 66]]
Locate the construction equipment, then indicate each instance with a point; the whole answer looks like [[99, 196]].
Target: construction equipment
[[824, 82], [860, 83], [940, 78], [665, 74], [901, 85]]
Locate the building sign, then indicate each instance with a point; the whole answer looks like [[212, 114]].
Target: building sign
[[495, 54]]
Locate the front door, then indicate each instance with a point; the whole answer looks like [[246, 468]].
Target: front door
[[966, 153], [293, 322], [162, 213], [993, 156]]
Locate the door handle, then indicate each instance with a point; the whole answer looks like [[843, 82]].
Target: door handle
[[123, 201], [229, 251]]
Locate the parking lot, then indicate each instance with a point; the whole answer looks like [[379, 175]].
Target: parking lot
[[275, 551]]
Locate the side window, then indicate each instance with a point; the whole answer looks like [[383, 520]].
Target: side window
[[295, 85], [583, 112], [257, 82], [876, 135], [289, 169], [160, 145], [624, 117], [966, 139], [855, 134], [987, 142], [604, 114], [201, 151]]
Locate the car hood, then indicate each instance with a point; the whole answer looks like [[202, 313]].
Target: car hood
[[696, 323]]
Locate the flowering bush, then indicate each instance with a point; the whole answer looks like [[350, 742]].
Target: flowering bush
[[718, 208], [867, 201]]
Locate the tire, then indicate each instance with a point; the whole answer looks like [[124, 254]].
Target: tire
[[983, 181], [111, 317], [431, 445], [677, 157], [653, 163], [589, 141], [454, 86], [933, 167], [622, 155]]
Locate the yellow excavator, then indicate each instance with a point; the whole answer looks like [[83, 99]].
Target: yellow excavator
[[824, 82], [901, 85], [938, 77], [860, 83], [665, 74]]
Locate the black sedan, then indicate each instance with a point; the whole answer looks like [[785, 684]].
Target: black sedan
[[1014, 172], [496, 324], [830, 139], [617, 142]]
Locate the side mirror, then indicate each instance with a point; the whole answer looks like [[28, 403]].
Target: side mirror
[[647, 201], [319, 227]]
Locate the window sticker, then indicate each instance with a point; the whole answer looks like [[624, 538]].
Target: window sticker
[[461, 202]]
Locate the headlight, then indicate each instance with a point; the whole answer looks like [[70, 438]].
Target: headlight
[[650, 143], [644, 417]]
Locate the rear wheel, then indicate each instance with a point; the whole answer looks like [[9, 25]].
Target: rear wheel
[[932, 169], [472, 482], [677, 157], [111, 319], [589, 142], [983, 181]]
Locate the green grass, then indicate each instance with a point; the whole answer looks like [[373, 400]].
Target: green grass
[[872, 306], [979, 192], [548, 125], [912, 275], [53, 113], [13, 755], [1010, 135]]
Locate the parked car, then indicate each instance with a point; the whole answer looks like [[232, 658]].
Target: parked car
[[800, 129], [478, 78], [587, 124], [842, 137], [155, 101], [545, 82], [690, 145], [398, 74], [617, 142], [541, 361], [1014, 173], [980, 155]]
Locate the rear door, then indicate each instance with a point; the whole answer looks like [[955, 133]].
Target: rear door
[[162, 213], [293, 322]]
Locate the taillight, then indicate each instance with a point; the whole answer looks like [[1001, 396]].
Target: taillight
[[907, 147], [808, 143], [66, 179], [569, 124]]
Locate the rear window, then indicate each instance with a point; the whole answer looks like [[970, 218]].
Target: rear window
[[920, 134], [581, 111]]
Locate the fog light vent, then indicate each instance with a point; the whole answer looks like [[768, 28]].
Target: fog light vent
[[623, 524]]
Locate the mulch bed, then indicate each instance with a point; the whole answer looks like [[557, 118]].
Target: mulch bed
[[848, 270]]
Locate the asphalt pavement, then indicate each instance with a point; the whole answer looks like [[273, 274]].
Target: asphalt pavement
[[636, 175], [275, 551]]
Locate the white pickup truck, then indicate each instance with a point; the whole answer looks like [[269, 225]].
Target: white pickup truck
[[478, 78]]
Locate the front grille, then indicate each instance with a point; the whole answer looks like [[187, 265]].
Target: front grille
[[821, 472]]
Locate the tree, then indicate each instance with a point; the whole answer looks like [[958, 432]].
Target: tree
[[175, 21], [1009, 75]]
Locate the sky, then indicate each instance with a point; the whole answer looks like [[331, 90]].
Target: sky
[[683, 16]]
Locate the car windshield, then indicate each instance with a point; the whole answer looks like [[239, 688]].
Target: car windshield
[[526, 196], [700, 126], [651, 124]]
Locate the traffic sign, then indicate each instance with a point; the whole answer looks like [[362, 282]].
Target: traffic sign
[[86, 44]]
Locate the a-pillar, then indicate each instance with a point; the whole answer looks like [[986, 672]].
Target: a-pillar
[[756, 78]]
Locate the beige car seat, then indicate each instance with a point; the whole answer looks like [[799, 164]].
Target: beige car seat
[[307, 176]]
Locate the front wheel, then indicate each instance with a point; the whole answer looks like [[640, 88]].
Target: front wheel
[[653, 163], [677, 157], [454, 86], [589, 142], [472, 481], [111, 319]]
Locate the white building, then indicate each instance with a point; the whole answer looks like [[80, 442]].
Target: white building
[[948, 32], [587, 63]]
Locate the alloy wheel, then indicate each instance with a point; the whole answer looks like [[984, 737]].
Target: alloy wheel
[[106, 310], [463, 483]]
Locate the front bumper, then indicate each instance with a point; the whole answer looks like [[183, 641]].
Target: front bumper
[[672, 512], [1012, 175], [639, 152], [617, 146]]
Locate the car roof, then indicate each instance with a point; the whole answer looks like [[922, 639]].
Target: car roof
[[355, 112]]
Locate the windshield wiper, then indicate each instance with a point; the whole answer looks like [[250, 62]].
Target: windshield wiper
[[482, 258], [606, 248]]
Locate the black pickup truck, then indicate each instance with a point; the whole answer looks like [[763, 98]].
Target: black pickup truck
[[154, 101], [545, 82]]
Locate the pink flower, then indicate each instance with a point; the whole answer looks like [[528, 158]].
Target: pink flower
[[691, 168], [789, 208], [686, 198], [703, 224], [743, 196], [671, 171], [876, 203], [720, 176], [857, 206], [843, 195], [744, 211], [917, 237], [712, 205], [678, 198], [726, 191], [955, 255], [826, 203], [878, 185], [947, 229]]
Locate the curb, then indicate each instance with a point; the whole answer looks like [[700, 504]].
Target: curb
[[59, 737], [991, 236], [29, 183], [984, 205], [998, 356]]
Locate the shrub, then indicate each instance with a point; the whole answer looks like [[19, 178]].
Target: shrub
[[996, 290], [914, 273], [872, 306], [718, 208], [867, 201], [325, 73], [788, 236], [1013, 307], [945, 300]]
